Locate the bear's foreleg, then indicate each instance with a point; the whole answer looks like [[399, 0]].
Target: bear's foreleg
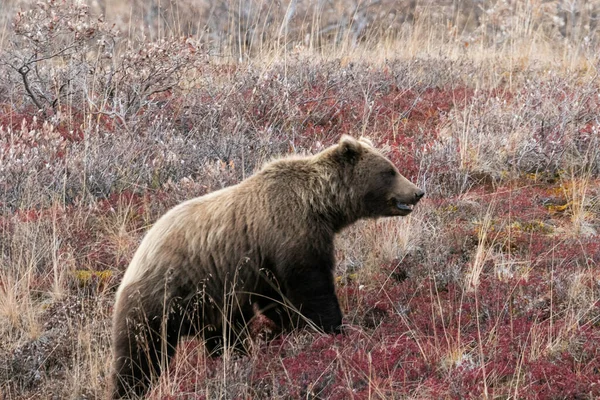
[[311, 291], [144, 341]]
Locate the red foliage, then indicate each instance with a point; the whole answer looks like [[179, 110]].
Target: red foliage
[[413, 334]]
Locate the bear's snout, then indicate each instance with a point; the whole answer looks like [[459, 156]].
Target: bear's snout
[[403, 204], [411, 198]]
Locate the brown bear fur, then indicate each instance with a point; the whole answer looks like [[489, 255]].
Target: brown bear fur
[[267, 242]]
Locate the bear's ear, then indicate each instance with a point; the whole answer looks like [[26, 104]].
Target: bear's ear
[[349, 148], [366, 140]]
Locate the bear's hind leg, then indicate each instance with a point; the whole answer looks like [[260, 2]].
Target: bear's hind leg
[[142, 348]]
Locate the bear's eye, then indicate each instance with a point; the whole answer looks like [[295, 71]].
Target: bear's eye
[[390, 172]]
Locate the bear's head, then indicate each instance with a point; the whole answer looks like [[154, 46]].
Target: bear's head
[[377, 186]]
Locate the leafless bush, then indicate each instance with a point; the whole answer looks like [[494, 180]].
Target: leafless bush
[[53, 52], [60, 55], [544, 129], [243, 29]]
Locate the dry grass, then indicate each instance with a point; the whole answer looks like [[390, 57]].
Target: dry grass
[[489, 290]]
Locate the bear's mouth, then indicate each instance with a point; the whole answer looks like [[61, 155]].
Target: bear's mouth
[[404, 207]]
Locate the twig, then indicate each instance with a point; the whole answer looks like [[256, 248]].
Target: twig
[[24, 70]]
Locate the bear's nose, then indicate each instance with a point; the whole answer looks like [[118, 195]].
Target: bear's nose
[[419, 194]]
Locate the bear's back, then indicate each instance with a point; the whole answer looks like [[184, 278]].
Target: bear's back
[[201, 241]]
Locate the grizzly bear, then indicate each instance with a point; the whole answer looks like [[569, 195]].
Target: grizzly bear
[[265, 244]]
